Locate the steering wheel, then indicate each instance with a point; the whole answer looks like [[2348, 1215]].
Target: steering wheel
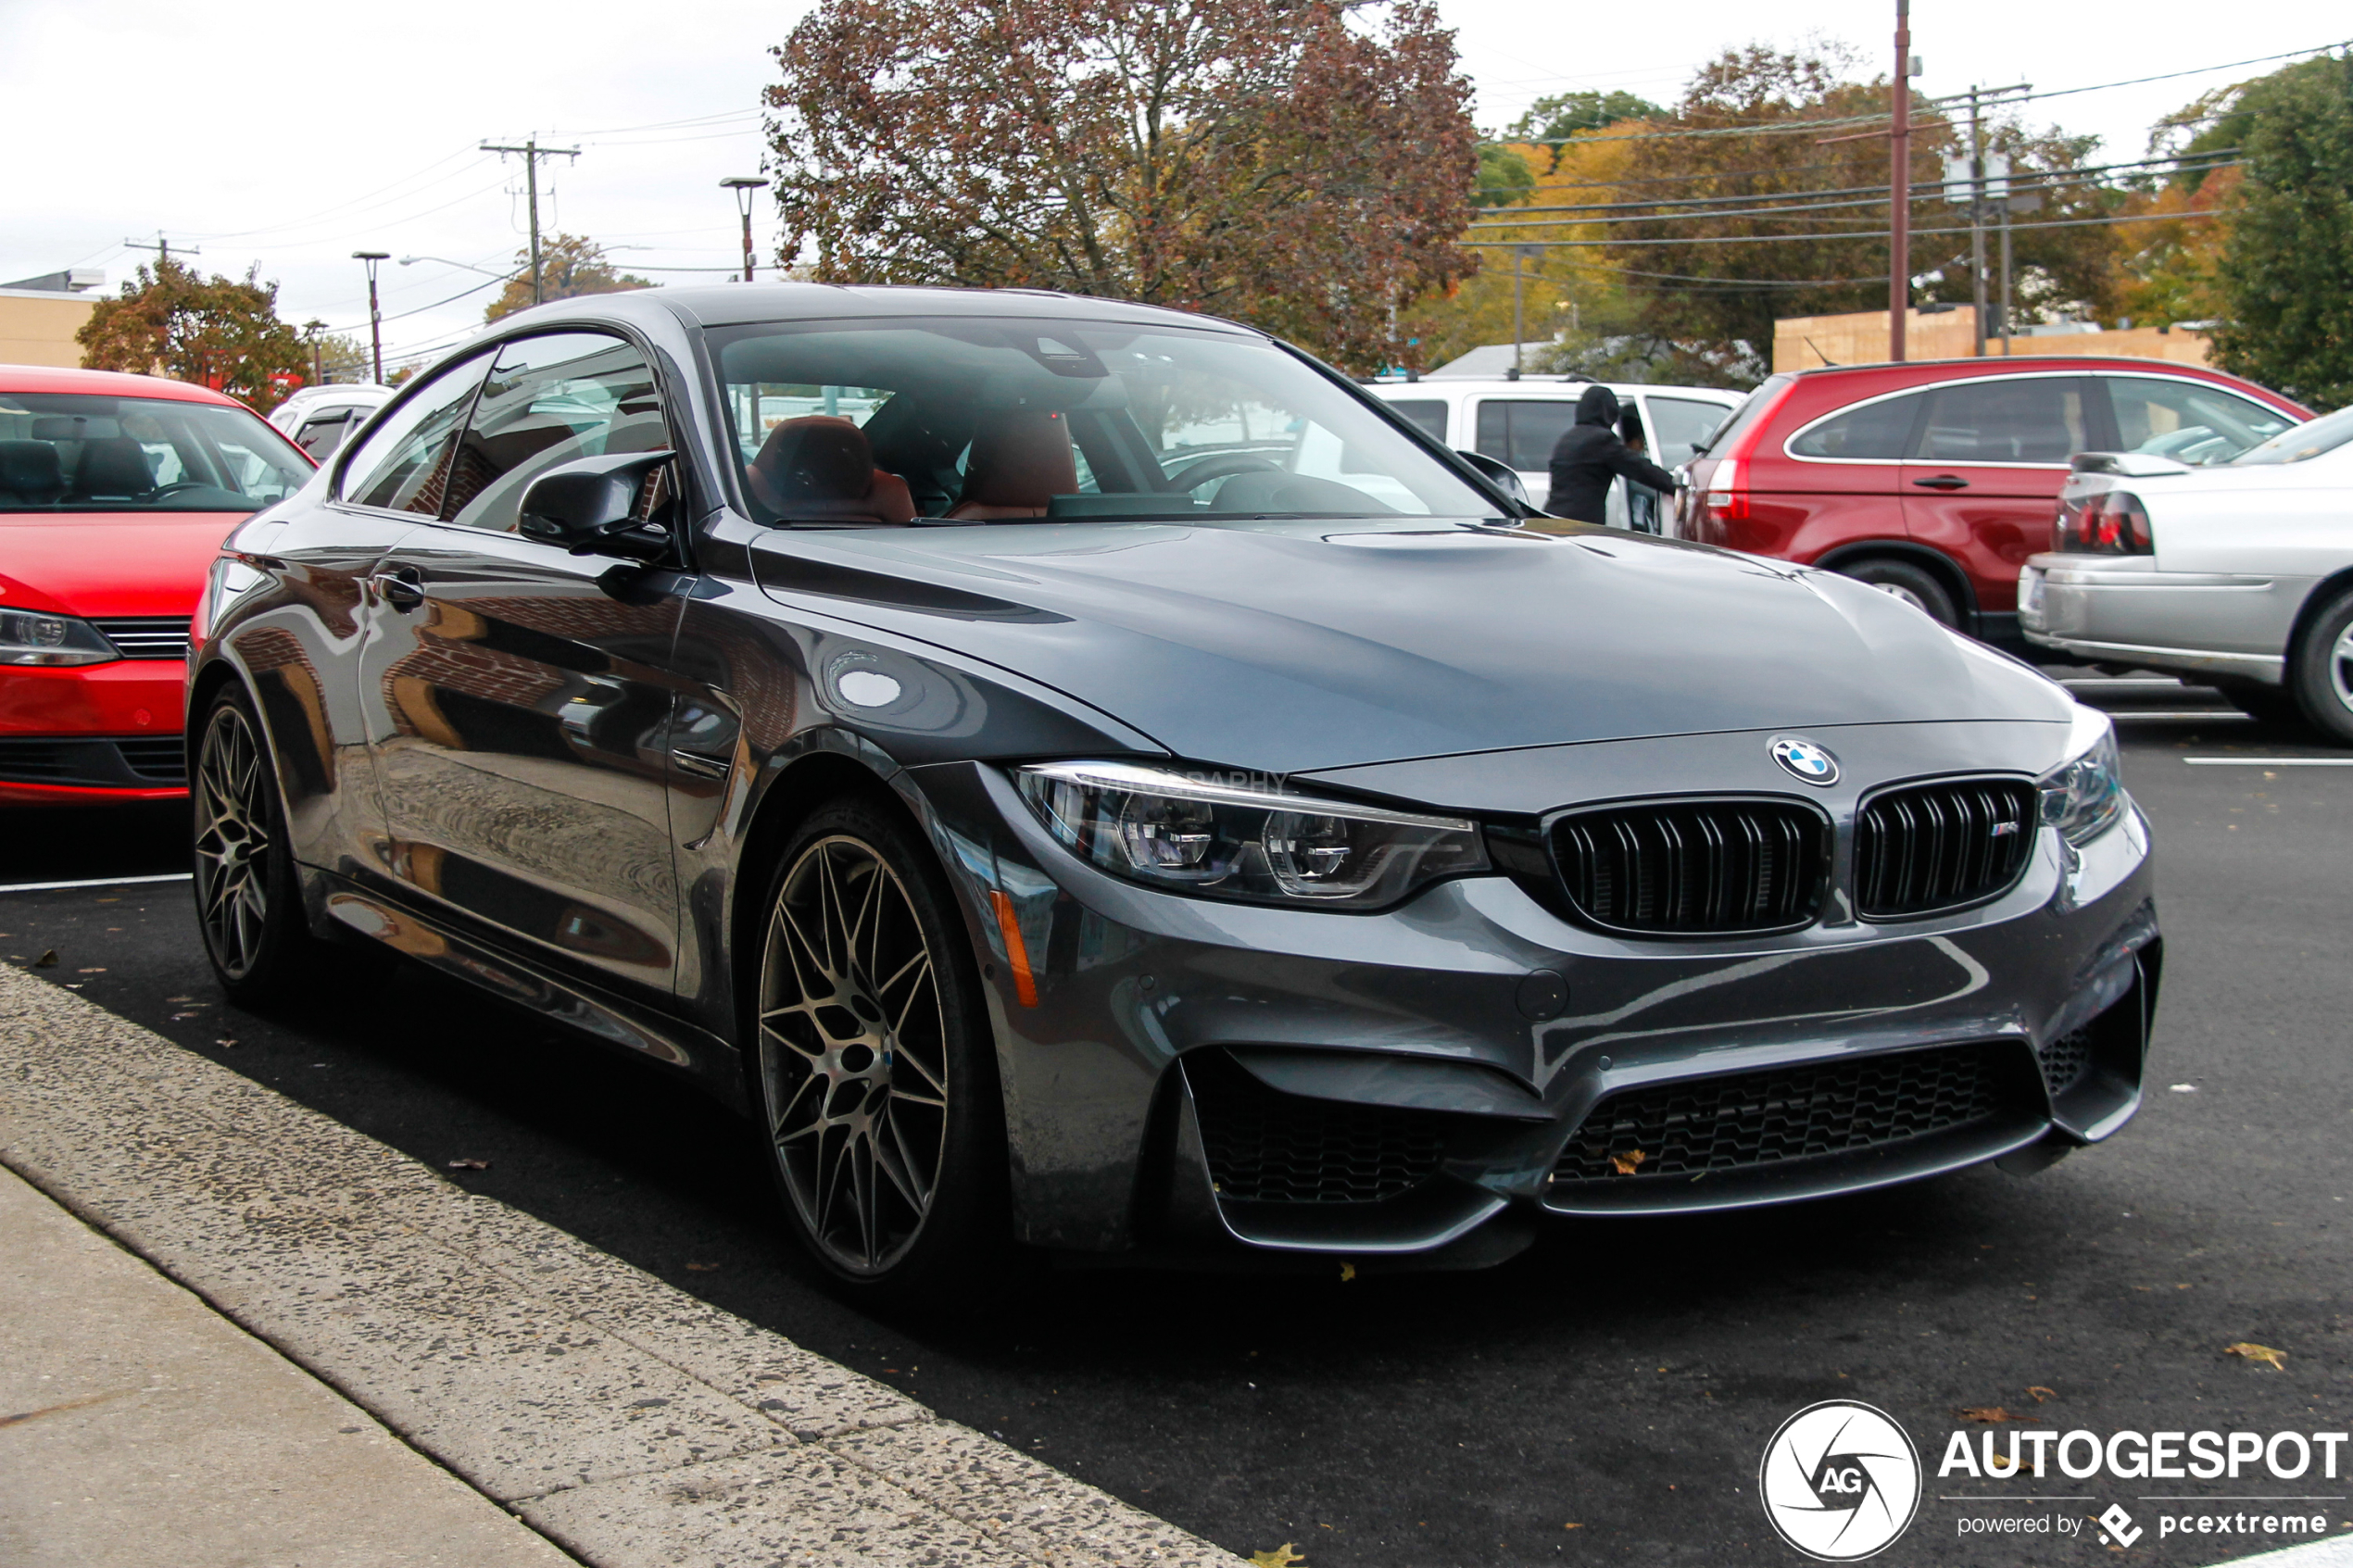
[[160, 491], [1212, 469]]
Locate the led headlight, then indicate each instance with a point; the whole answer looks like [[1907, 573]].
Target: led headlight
[[28, 637], [1233, 839], [2084, 794]]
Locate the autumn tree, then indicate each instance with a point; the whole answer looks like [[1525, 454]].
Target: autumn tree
[[2285, 276], [219, 331], [1304, 167], [569, 266]]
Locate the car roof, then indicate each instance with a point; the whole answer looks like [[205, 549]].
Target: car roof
[[106, 383], [2020, 364], [1429, 385], [725, 304]]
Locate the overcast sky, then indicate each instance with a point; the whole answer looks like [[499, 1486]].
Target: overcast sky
[[291, 135]]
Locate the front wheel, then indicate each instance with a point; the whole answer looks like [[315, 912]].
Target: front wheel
[[878, 1071], [248, 900], [2321, 672]]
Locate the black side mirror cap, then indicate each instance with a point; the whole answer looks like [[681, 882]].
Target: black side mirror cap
[[1501, 474], [589, 506]]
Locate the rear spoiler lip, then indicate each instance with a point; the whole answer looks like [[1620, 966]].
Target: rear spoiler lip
[[2128, 465]]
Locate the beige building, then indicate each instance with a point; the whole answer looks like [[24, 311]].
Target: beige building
[[1860, 338], [37, 326]]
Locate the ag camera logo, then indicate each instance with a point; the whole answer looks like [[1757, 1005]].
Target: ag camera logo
[[1839, 1481]]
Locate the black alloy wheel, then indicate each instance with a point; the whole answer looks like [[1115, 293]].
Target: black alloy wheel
[[249, 902], [1915, 585], [877, 1073], [2320, 671]]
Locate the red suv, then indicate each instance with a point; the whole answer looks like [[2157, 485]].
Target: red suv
[[1935, 481]]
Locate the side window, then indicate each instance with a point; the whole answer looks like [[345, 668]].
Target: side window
[[1877, 431], [2006, 419], [404, 466], [1426, 412], [1679, 425], [550, 400], [2187, 420], [1523, 430]]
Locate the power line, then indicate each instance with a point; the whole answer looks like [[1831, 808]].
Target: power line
[[1832, 233]]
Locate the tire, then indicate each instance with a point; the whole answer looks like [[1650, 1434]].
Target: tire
[[2272, 705], [883, 1120], [1915, 585], [248, 898], [2321, 670]]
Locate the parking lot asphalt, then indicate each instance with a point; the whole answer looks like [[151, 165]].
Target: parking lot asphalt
[[1603, 1398]]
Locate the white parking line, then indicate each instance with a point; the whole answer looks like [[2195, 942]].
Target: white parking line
[[2268, 761], [94, 882]]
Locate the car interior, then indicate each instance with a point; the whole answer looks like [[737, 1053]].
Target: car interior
[[961, 422], [82, 453]]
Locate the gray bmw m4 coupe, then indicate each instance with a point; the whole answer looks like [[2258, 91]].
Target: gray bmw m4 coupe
[[1087, 779]]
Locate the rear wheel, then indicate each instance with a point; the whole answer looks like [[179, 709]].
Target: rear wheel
[[248, 900], [1915, 585], [2321, 671], [878, 1072]]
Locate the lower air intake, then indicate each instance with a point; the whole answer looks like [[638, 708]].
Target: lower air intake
[[1747, 1121], [1265, 1146]]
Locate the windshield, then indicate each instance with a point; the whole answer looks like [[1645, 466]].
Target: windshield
[[2324, 435], [63, 451], [978, 420]]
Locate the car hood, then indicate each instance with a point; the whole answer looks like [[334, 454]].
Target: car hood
[[1291, 646], [106, 564]]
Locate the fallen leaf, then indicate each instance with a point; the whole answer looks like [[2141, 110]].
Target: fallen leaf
[[702, 1268], [1572, 1525], [2259, 1354], [225, 1042], [100, 969], [2042, 1393], [1991, 1414], [470, 1164], [1276, 1556], [1347, 1272], [1627, 1163], [46, 961]]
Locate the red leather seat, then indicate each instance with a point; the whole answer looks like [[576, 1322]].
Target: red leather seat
[[1020, 460], [821, 467]]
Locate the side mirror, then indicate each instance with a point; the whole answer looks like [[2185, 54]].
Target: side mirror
[[1501, 474], [590, 508]]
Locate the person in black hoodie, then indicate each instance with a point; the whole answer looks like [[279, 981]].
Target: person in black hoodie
[[1588, 455]]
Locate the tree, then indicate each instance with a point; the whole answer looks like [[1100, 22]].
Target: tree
[[1274, 160], [569, 266], [222, 333], [2285, 276], [1551, 121]]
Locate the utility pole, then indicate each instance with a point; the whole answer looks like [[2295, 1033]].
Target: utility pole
[[1519, 254], [744, 185], [1979, 173], [311, 329], [162, 247], [531, 153], [1899, 188], [375, 316]]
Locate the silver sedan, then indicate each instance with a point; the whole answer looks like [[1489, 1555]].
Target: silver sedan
[[2240, 574]]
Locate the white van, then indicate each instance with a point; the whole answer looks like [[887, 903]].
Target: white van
[[1517, 422]]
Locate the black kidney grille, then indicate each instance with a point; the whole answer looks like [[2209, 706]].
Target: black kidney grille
[[1746, 1120], [147, 636], [1266, 1147], [1941, 845], [1694, 867]]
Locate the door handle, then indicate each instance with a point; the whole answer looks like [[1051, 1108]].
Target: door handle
[[1943, 481], [401, 587]]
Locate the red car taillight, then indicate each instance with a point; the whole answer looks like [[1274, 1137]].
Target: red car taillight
[[1728, 491], [2114, 523]]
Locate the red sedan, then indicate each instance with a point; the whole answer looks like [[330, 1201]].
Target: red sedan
[[115, 493]]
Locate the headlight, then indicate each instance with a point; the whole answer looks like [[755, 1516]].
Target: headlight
[[28, 637], [1233, 840], [2081, 796]]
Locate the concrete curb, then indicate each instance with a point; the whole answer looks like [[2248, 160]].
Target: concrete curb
[[628, 1421]]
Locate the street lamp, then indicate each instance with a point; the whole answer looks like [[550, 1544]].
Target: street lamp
[[310, 330], [462, 266], [375, 315], [744, 185]]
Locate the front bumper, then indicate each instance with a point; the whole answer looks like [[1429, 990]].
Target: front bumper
[[1417, 1085], [92, 734], [2124, 610]]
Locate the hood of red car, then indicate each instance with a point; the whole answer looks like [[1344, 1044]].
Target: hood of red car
[[107, 564]]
